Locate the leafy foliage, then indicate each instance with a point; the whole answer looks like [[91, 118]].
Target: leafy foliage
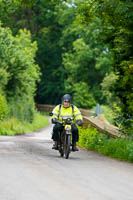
[[52, 25], [86, 63], [81, 96], [13, 126], [18, 71], [119, 148], [84, 48], [116, 26], [108, 85], [3, 107]]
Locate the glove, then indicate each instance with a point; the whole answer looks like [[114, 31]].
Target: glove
[[79, 122], [53, 120]]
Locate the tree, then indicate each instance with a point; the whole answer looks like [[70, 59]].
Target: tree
[[117, 22], [40, 18], [87, 63], [18, 71], [61, 41]]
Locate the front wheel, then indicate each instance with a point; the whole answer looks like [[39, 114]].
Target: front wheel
[[61, 149], [67, 146]]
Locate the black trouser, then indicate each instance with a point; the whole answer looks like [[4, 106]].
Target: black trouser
[[58, 128]]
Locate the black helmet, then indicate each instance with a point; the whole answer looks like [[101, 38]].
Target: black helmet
[[67, 97]]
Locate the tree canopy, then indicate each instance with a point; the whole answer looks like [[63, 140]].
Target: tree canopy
[[18, 71], [83, 47]]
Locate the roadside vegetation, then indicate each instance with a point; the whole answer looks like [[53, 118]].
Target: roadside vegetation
[[108, 113], [18, 77], [13, 126], [80, 47], [120, 148]]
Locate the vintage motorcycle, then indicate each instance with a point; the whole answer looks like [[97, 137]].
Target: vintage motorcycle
[[65, 137]]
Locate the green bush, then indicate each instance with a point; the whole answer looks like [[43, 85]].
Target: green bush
[[108, 113], [3, 107], [22, 110], [88, 138], [119, 148], [82, 97], [18, 74]]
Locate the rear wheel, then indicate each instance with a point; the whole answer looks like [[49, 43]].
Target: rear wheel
[[67, 146]]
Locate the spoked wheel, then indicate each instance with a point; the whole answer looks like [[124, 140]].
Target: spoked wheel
[[67, 146]]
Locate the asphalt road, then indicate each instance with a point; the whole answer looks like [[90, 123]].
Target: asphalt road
[[31, 170]]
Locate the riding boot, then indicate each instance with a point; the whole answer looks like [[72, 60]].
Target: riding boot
[[74, 147], [55, 145]]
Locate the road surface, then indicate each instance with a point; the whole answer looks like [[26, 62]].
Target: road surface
[[31, 170]]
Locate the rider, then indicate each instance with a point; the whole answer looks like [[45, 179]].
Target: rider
[[66, 109]]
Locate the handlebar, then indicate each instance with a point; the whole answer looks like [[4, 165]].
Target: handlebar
[[64, 121], [67, 121], [57, 121]]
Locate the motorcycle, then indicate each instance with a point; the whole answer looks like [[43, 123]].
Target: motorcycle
[[65, 137]]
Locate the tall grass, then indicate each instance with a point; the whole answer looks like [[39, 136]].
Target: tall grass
[[14, 126], [108, 113], [22, 110], [119, 148]]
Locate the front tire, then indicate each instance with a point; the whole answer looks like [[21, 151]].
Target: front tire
[[67, 146], [61, 150]]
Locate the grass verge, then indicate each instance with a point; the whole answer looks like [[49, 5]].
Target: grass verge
[[15, 127], [119, 148], [108, 113]]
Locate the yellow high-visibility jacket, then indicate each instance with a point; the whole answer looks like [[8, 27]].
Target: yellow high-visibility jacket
[[60, 112]]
